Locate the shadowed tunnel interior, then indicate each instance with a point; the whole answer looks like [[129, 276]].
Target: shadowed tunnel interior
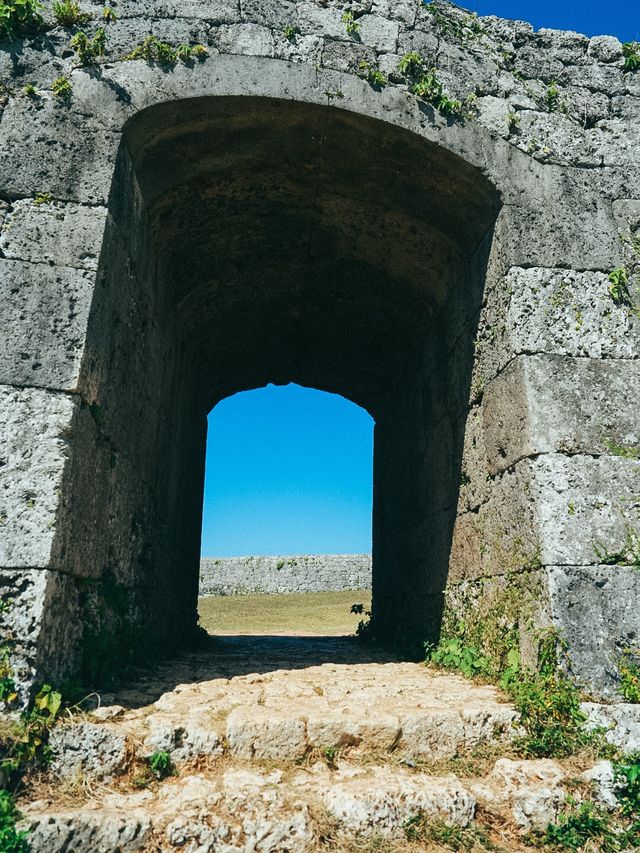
[[253, 241]]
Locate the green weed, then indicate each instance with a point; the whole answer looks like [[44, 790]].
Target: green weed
[[374, 77], [61, 88], [87, 49], [20, 18], [154, 50], [412, 65], [42, 198], [626, 451], [350, 24], [631, 53], [628, 555], [160, 764], [552, 97], [431, 90], [67, 13], [431, 832], [289, 33], [629, 672], [109, 15], [30, 91], [619, 287], [11, 841]]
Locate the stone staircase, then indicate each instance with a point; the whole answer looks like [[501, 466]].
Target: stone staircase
[[290, 744]]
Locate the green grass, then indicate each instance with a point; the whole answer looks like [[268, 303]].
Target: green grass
[[295, 613]]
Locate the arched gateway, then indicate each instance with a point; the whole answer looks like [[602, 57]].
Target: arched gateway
[[174, 233]]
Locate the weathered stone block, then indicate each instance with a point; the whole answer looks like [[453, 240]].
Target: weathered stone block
[[87, 750], [610, 595], [41, 623], [553, 509], [47, 350], [67, 235], [34, 425], [245, 39], [547, 404]]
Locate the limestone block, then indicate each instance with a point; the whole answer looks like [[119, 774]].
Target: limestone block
[[404, 11], [546, 404], [58, 833], [190, 739], [383, 804], [610, 595], [264, 734], [376, 733], [67, 235], [87, 750], [378, 33], [312, 19], [531, 790], [584, 506], [275, 14], [553, 311], [33, 453], [605, 49], [46, 349], [621, 721], [602, 781], [346, 56], [213, 11], [244, 39], [49, 148], [42, 625], [424, 43], [555, 509]]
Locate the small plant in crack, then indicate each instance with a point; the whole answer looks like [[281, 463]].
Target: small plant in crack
[[631, 53], [412, 65], [290, 33], [153, 50], [629, 672], [350, 24], [43, 198], [109, 15], [61, 88], [88, 50], [374, 77], [619, 287], [68, 14], [160, 764], [30, 91], [513, 121], [552, 97]]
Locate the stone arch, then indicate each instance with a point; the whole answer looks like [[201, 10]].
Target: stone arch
[[460, 365]]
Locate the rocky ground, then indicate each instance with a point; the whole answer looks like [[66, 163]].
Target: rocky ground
[[295, 744]]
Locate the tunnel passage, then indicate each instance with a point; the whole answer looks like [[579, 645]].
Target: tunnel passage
[[252, 241]]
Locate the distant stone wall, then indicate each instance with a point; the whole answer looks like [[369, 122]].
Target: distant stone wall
[[307, 573]]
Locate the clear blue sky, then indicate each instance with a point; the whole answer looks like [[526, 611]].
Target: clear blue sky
[[289, 470], [615, 17]]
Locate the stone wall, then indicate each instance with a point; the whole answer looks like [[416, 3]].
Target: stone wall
[[299, 573], [176, 232]]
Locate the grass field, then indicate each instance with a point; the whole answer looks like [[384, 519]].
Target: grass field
[[294, 613]]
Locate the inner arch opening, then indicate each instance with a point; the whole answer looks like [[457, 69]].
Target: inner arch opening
[[286, 529], [260, 240]]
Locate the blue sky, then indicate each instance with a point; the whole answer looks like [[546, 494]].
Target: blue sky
[[289, 470], [614, 17]]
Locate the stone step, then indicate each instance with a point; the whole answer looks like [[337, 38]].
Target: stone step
[[251, 809], [367, 709]]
